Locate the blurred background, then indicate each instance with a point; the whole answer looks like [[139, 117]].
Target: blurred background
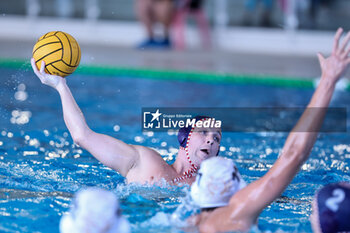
[[273, 37]]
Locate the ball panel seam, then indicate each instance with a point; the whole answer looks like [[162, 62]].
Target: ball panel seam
[[60, 70], [44, 45], [48, 55]]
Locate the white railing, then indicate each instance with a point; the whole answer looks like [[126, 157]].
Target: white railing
[[64, 9]]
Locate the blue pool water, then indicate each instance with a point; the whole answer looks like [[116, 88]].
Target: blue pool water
[[41, 168]]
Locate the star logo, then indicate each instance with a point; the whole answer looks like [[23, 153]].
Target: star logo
[[156, 115]]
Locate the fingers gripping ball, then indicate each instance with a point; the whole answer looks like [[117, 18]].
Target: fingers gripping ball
[[60, 52]]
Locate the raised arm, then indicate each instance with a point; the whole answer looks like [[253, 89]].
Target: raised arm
[[255, 197], [246, 205], [109, 151]]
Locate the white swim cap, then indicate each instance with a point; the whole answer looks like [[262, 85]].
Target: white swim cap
[[94, 210], [217, 180]]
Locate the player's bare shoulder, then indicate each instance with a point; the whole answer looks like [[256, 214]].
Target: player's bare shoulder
[[147, 153], [150, 167]]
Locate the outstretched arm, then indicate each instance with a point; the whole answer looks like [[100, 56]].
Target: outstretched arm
[[110, 151], [246, 205], [300, 141]]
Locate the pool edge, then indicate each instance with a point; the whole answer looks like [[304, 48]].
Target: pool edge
[[191, 76]]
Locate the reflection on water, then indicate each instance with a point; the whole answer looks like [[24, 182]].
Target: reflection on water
[[21, 194]]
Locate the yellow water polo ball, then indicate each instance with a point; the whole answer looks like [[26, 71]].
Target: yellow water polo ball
[[60, 51]]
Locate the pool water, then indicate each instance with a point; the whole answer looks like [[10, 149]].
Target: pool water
[[41, 168]]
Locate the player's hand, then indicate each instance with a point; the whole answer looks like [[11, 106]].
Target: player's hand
[[47, 79], [334, 66]]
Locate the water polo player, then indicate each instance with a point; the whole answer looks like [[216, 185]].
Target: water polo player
[[331, 209], [94, 210], [245, 206], [137, 163], [218, 179]]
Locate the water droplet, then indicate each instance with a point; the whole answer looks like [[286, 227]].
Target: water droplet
[[149, 134], [139, 139], [154, 140], [171, 132], [116, 128], [46, 132], [21, 95], [21, 87], [34, 142]]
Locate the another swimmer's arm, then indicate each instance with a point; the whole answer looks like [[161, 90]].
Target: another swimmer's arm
[[109, 151], [256, 196]]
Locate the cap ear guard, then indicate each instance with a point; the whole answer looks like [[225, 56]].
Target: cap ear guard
[[182, 136]]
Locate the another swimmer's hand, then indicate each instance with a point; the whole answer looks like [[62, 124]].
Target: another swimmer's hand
[[335, 65], [47, 79]]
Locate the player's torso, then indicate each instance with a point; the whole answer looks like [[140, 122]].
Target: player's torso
[[151, 168]]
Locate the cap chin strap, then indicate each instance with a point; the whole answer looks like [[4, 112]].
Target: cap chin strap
[[193, 170]]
